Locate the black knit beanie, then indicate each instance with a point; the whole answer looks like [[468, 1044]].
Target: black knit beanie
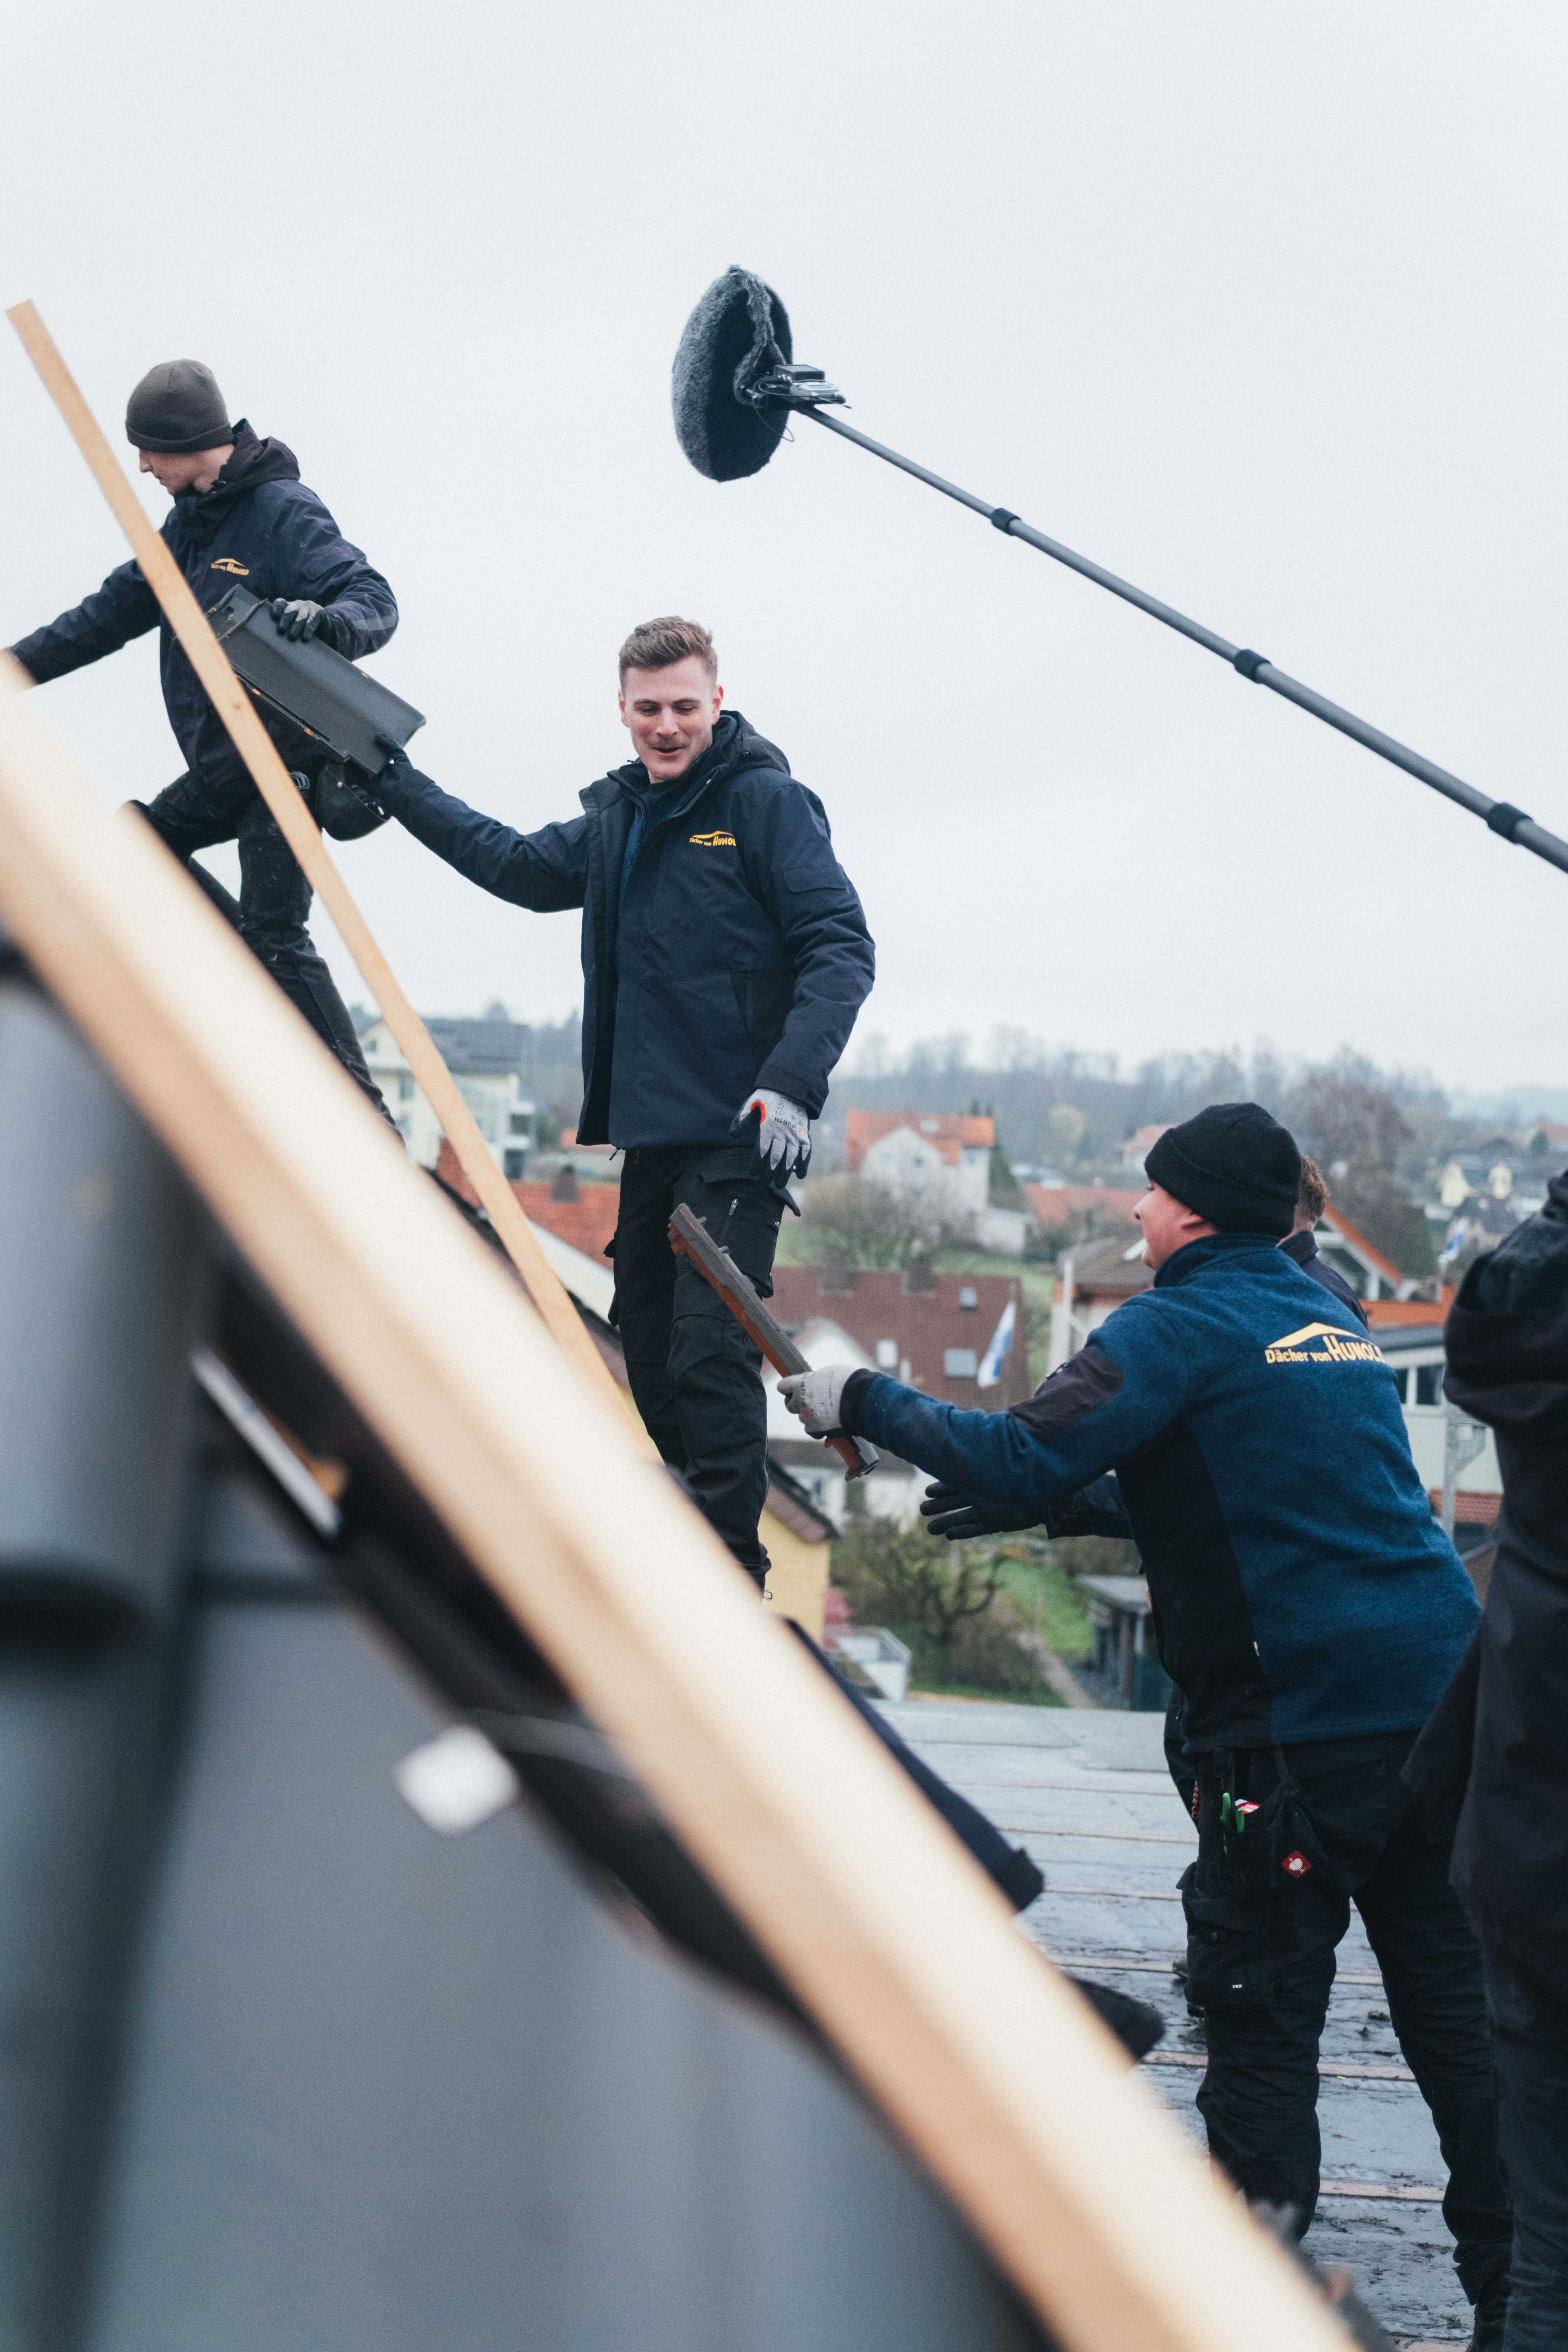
[[177, 407], [1234, 1165]]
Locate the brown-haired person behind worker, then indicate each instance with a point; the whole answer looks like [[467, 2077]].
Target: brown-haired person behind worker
[[725, 956], [1301, 1244]]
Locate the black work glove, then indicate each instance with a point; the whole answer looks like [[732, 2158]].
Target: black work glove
[[298, 619], [1096, 1509], [956, 1516], [390, 785]]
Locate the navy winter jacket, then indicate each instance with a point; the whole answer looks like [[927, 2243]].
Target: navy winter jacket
[[1300, 1588], [1303, 1249], [258, 523], [737, 957]]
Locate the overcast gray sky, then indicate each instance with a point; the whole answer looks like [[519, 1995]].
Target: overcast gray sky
[[1260, 305]]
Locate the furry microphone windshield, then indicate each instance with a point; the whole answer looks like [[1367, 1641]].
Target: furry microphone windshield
[[738, 333]]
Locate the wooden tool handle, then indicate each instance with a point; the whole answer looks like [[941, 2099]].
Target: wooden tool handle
[[689, 1237]]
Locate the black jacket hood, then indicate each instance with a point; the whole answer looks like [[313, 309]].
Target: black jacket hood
[[254, 461]]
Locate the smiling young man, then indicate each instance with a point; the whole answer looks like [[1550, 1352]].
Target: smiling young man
[[725, 956], [240, 513], [1310, 1609]]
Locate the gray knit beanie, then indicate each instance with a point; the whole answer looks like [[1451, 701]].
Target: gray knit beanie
[[176, 408]]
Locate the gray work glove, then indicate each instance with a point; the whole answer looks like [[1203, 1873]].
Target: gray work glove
[[814, 1398], [297, 618], [783, 1131]]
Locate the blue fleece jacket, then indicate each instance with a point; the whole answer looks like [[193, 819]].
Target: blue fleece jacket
[[1300, 1587]]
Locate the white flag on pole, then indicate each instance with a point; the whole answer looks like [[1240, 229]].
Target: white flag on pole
[[1001, 1346]]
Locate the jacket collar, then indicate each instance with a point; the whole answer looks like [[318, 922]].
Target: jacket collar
[[1214, 1250], [199, 512], [736, 744]]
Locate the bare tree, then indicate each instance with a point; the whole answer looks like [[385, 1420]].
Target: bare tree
[[867, 1225]]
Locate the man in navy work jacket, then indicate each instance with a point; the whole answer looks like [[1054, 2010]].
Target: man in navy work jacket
[[240, 512], [725, 956], [1313, 1611]]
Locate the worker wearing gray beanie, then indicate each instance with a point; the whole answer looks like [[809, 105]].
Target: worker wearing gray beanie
[[241, 519], [177, 409]]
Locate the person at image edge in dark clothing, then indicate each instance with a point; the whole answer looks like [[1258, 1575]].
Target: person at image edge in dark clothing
[[1496, 1751], [240, 513], [1301, 1244], [725, 956], [1310, 1609]]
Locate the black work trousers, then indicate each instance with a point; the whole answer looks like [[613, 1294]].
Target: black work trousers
[[1529, 2040], [695, 1376], [274, 901], [1262, 1968]]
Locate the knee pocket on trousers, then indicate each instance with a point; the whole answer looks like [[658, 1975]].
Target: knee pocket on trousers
[[1231, 1961]]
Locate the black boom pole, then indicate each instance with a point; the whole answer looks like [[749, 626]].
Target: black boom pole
[[735, 384], [1501, 816]]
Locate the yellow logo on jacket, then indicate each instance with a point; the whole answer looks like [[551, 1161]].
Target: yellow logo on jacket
[[715, 840], [227, 564], [1334, 1347]]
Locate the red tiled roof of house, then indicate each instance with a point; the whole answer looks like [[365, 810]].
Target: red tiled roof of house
[[1358, 1241], [1469, 1510], [872, 1304], [1394, 1313], [586, 1223], [946, 1131], [1057, 1204]]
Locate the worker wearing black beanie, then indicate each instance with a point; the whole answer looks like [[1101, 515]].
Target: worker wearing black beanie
[[1234, 1166], [1311, 1611]]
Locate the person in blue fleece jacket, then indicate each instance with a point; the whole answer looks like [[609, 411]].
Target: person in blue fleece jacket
[[1311, 1611]]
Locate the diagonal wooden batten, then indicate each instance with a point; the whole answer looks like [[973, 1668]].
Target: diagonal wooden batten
[[985, 2060], [299, 828]]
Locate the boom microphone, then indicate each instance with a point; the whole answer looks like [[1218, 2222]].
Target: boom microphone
[[737, 336], [737, 385]]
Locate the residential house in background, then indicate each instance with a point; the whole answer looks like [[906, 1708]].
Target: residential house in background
[[1136, 1150], [942, 1163], [960, 1337], [1092, 1283], [583, 1215], [1059, 1207], [1497, 1167], [484, 1056]]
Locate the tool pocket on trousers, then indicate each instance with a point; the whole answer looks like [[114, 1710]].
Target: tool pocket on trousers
[[1230, 1959], [1259, 1847]]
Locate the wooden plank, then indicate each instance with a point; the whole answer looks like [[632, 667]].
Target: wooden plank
[[299, 828], [993, 2070]]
